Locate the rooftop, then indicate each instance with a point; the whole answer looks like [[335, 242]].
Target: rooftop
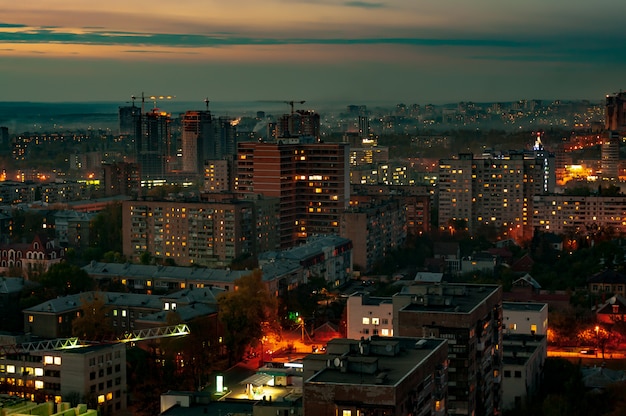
[[382, 362], [446, 298], [523, 306]]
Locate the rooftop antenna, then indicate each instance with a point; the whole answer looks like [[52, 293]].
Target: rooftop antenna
[[206, 101]]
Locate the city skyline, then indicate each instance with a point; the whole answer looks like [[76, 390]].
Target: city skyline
[[316, 51]]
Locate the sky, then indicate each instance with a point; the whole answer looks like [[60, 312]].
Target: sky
[[353, 51]]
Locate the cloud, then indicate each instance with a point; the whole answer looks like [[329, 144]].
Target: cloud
[[365, 4], [11, 25], [95, 37]]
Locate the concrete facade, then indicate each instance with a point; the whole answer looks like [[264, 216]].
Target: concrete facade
[[391, 376], [369, 316], [470, 318]]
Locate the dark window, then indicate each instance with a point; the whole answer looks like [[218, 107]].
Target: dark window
[[518, 374]]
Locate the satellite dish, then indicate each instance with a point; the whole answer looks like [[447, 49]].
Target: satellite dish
[[337, 362], [388, 347]]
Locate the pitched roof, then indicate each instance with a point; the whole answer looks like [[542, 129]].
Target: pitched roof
[[607, 276]]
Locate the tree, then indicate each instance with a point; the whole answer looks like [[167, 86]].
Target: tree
[[145, 258], [106, 228], [246, 313], [65, 279], [94, 323]]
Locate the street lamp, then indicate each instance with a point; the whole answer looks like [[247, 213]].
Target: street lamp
[[301, 321]]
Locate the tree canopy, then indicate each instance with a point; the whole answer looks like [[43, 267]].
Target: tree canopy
[[94, 323], [247, 313]]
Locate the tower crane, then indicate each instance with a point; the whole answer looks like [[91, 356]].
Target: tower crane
[[154, 99], [291, 103]]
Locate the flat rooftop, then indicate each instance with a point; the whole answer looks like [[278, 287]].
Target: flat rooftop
[[394, 368], [523, 306], [448, 298]]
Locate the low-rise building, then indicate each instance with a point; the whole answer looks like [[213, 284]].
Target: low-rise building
[[608, 282], [96, 373], [321, 256], [33, 258], [126, 311]]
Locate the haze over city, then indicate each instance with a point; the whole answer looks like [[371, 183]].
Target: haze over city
[[383, 51]]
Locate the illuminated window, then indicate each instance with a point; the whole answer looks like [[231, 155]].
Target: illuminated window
[[384, 332], [366, 321], [48, 359], [124, 312], [346, 413], [375, 321], [39, 372], [57, 360], [38, 384], [101, 399], [533, 328], [31, 318], [10, 369]]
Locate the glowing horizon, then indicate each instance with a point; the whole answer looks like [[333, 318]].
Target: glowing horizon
[[324, 49]]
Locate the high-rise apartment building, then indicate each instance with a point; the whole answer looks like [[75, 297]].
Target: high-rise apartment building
[[207, 233], [470, 318], [381, 376], [129, 116], [610, 156], [297, 124], [197, 137], [578, 215], [494, 190], [121, 178], [153, 145], [616, 112], [376, 226], [218, 175], [309, 179]]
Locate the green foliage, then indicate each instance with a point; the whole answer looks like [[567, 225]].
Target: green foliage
[[27, 224], [94, 323], [246, 313], [65, 279], [145, 258], [304, 298], [106, 229]]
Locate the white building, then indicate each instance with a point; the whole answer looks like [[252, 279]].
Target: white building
[[524, 349], [95, 374], [368, 316], [529, 318]]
